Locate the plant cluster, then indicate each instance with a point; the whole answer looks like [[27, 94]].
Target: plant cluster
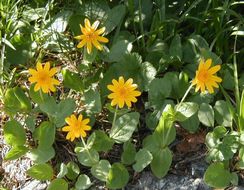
[[109, 80]]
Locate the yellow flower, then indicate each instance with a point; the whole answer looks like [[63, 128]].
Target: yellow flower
[[91, 36], [123, 92], [76, 127], [205, 77], [43, 77]]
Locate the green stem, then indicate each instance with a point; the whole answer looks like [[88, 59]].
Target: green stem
[[87, 149], [2, 60], [40, 91], [141, 25], [237, 93], [115, 115], [186, 93]]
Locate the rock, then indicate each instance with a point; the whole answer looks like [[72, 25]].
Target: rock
[[34, 184]]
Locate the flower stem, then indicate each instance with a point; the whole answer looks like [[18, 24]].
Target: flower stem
[[115, 115], [186, 93], [40, 91], [87, 149]]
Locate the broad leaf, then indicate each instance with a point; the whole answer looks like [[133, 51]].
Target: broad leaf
[[102, 142], [124, 127], [39, 155], [59, 184], [88, 157], [73, 170], [92, 102], [41, 172], [165, 132], [222, 114], [118, 176], [72, 80], [143, 159], [16, 152], [129, 152], [217, 176], [83, 182], [101, 170], [14, 133], [185, 110], [206, 115], [161, 162], [15, 101], [45, 134]]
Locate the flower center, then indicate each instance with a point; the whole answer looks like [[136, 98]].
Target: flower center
[[91, 36], [43, 77], [203, 76], [122, 92]]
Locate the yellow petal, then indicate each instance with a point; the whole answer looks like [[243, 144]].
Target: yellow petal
[[66, 128], [89, 47], [80, 37], [102, 39], [128, 103], [86, 121], [83, 133], [129, 82], [37, 87], [32, 79], [97, 44], [100, 31], [39, 66], [32, 71], [87, 23], [121, 80], [81, 44], [121, 104], [214, 69], [80, 117], [47, 66], [215, 78], [53, 71], [95, 24], [86, 127], [208, 64]]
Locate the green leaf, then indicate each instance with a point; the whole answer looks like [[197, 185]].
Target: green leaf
[[40, 172], [119, 49], [59, 184], [39, 155], [157, 95], [114, 17], [31, 123], [124, 127], [14, 133], [179, 83], [143, 159], [58, 112], [219, 132], [191, 124], [15, 101], [217, 176], [92, 102], [16, 152], [37, 97], [161, 162], [45, 135], [88, 157], [222, 114], [72, 80], [83, 182], [118, 176], [73, 170], [185, 110], [129, 152], [102, 141], [62, 171], [165, 132], [101, 170], [234, 178], [206, 115], [175, 48]]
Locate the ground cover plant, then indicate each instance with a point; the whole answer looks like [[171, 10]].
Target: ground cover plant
[[93, 90]]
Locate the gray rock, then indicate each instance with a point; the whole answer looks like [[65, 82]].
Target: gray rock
[[34, 184]]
